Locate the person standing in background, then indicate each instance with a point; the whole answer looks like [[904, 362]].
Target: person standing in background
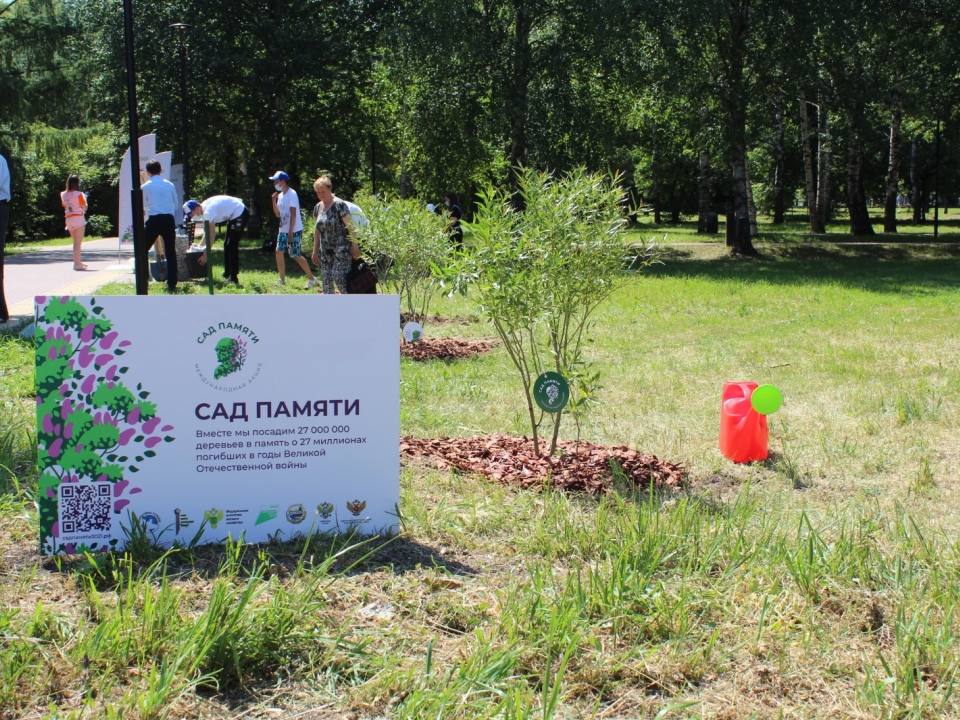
[[222, 209], [455, 229], [159, 205], [334, 244], [4, 219], [74, 207], [286, 206]]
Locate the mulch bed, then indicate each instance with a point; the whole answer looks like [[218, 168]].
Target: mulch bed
[[444, 349], [580, 467]]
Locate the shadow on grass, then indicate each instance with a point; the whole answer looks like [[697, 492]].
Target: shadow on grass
[[884, 269]]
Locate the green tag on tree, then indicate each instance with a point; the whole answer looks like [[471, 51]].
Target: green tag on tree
[[551, 392]]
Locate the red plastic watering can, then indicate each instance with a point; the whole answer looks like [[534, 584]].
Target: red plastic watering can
[[743, 431]]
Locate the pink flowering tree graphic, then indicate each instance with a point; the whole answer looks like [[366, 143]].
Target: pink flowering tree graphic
[[91, 428]]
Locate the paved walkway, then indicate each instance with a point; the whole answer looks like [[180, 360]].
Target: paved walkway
[[49, 271]]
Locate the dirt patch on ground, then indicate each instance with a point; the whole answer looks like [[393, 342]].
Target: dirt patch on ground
[[444, 349], [510, 460], [439, 319]]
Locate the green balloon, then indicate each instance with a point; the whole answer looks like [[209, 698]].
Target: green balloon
[[766, 399]]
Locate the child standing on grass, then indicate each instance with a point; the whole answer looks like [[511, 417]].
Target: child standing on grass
[[74, 206]]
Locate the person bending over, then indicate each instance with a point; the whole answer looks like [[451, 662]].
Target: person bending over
[[159, 204], [286, 206], [222, 209]]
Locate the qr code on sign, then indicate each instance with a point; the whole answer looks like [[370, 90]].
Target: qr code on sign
[[85, 508]]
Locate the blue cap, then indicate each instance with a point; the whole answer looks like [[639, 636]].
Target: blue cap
[[281, 175], [189, 206]]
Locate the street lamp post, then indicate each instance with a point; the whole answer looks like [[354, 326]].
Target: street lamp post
[[140, 261], [181, 36]]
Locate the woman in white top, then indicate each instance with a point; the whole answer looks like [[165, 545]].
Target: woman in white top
[[74, 206]]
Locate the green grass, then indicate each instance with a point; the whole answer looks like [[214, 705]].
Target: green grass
[[796, 229], [821, 583], [26, 247]]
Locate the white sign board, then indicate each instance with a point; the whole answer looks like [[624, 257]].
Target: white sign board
[[238, 417], [176, 177], [148, 149]]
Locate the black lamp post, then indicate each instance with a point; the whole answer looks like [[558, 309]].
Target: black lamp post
[[140, 262], [181, 37]]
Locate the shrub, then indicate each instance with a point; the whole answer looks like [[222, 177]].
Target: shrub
[[542, 272], [409, 247]]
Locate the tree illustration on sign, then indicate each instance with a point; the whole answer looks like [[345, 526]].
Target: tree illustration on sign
[[231, 354], [91, 428]]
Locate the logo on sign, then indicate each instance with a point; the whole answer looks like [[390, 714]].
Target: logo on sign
[[213, 516], [413, 332], [551, 392], [356, 507], [296, 513], [267, 513], [325, 510], [227, 365], [150, 518]]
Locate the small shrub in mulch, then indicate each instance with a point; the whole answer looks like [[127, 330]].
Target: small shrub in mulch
[[580, 467], [444, 349]]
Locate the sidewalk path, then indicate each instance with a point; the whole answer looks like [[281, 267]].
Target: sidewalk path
[[49, 271]]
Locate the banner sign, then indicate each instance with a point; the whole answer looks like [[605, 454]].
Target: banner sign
[[267, 416], [148, 149]]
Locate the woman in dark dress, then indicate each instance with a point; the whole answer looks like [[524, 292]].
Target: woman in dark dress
[[334, 245]]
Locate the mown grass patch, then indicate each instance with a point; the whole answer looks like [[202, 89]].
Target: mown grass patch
[[821, 583]]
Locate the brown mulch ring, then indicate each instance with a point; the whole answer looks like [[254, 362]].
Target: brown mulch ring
[[510, 460], [444, 349]]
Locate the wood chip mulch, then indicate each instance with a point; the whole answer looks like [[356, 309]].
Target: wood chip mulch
[[443, 349], [579, 467]]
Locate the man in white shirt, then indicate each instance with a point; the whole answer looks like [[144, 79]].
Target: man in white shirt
[[222, 209], [159, 205], [286, 206], [4, 219]]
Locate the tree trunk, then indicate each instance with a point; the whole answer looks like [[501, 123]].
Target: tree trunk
[[404, 180], [916, 185], [823, 170], [656, 176], [230, 168], [705, 170], [806, 132], [779, 205], [856, 197], [751, 205], [893, 167], [737, 107], [523, 23]]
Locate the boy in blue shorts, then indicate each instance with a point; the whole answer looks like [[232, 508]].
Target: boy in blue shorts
[[286, 206]]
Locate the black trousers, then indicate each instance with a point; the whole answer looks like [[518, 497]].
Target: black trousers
[[164, 226], [231, 245], [4, 219]]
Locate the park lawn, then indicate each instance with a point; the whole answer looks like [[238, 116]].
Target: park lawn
[[823, 582], [20, 248], [796, 229]]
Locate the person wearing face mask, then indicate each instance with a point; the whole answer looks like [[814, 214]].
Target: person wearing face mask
[[455, 229], [286, 206]]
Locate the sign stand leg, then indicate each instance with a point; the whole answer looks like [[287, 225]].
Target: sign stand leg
[[208, 243]]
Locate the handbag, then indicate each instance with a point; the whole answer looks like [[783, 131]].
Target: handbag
[[158, 269], [361, 279]]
